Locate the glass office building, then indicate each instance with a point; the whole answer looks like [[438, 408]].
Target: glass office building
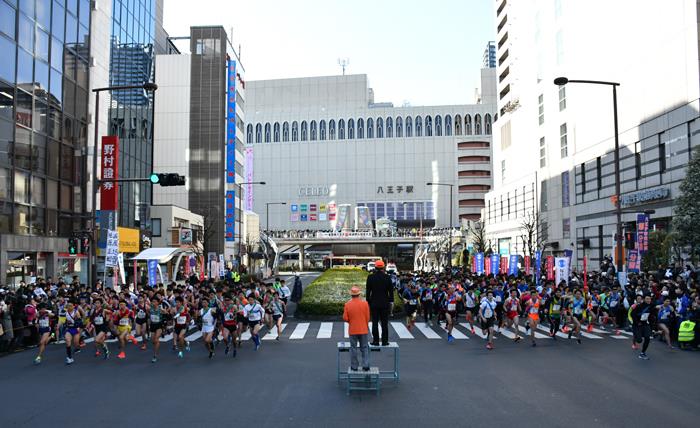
[[43, 125]]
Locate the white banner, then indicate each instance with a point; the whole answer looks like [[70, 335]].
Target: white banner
[[561, 269], [249, 178], [222, 265], [122, 274], [112, 251]]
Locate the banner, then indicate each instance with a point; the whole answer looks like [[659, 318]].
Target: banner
[[152, 272], [231, 123], [513, 265], [633, 261], [550, 268], [472, 262], [642, 233], [504, 265], [538, 267], [222, 266], [527, 265], [109, 190], [120, 263], [230, 226], [249, 179], [479, 257], [495, 262], [585, 273], [487, 266], [562, 269], [112, 254]]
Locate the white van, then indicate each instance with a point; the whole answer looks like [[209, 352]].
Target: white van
[[370, 266]]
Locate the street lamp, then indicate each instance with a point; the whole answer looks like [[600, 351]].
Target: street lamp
[[267, 213], [449, 255], [561, 81], [240, 220], [148, 86]]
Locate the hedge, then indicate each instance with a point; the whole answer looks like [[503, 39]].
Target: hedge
[[327, 294]]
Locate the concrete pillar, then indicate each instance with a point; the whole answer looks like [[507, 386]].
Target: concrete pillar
[[301, 258]]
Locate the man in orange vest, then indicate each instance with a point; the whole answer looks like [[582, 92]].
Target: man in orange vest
[[356, 314]]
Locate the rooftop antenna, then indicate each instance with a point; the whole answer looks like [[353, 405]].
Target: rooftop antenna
[[343, 63]]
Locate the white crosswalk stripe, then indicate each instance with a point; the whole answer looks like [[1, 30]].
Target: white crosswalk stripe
[[194, 336], [402, 331], [427, 331], [507, 333], [559, 333], [537, 335], [325, 331], [300, 331], [481, 333], [456, 333], [272, 334]]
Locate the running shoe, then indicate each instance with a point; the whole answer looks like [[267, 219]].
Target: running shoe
[[121, 355], [97, 354], [590, 328], [643, 356], [450, 338], [37, 360], [473, 332], [179, 354], [489, 346], [257, 346], [143, 347], [154, 360], [133, 340], [77, 350], [517, 339], [69, 361], [578, 340]]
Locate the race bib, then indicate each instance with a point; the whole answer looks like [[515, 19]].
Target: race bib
[[124, 321], [578, 311], [645, 316], [613, 303], [498, 299], [451, 307], [413, 302], [556, 307], [44, 322], [181, 320], [99, 321], [155, 318], [141, 314], [533, 310]]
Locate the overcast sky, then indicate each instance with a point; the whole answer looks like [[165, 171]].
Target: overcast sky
[[416, 51]]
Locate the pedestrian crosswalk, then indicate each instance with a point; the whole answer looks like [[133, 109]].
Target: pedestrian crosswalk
[[305, 331]]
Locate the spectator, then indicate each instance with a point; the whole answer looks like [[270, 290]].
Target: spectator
[[356, 314]]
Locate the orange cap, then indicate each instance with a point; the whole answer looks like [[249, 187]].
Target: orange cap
[[354, 291], [379, 264]]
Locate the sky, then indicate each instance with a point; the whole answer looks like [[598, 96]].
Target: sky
[[413, 51]]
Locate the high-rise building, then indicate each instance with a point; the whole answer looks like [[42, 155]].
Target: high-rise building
[[554, 145], [44, 84], [199, 134], [490, 55]]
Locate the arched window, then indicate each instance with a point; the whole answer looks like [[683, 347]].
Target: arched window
[[487, 124], [341, 129], [467, 125], [448, 126], [351, 129], [276, 132], [258, 133], [399, 127], [295, 131], [409, 126], [304, 131], [331, 129], [438, 126], [428, 126], [370, 128], [389, 127], [380, 128], [477, 124], [268, 133], [285, 131], [312, 131], [360, 129], [322, 130], [458, 125], [495, 117], [249, 134]]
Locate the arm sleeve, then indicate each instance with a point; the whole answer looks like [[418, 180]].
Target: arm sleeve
[[390, 292], [368, 290], [345, 313]]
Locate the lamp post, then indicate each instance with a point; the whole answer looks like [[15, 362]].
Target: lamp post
[[240, 221], [267, 213], [92, 264], [561, 81], [449, 254]]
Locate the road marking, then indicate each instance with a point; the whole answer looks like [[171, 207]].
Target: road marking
[[167, 338], [456, 333], [537, 335], [246, 335], [345, 330], [401, 330], [325, 331], [300, 331], [507, 333], [589, 335], [427, 331], [620, 337], [559, 333], [272, 334], [481, 333], [194, 336]]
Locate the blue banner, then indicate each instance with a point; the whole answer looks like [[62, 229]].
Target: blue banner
[[479, 263], [152, 272], [495, 263], [513, 265], [538, 266], [231, 124], [230, 229]]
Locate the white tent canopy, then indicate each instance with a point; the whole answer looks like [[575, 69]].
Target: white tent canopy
[[163, 255]]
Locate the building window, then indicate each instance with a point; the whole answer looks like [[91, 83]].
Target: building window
[[156, 227], [458, 125], [448, 126], [341, 129], [565, 202], [399, 127], [249, 134], [389, 127], [285, 131], [543, 153], [563, 141], [276, 133], [467, 124], [540, 108], [268, 133], [331, 129], [322, 130], [599, 172], [409, 126], [562, 98], [508, 200], [662, 157], [304, 131], [351, 129], [544, 197], [487, 123], [295, 131], [428, 126], [380, 128], [419, 126], [312, 131], [258, 133], [503, 170], [438, 126], [501, 207], [566, 228], [583, 178], [370, 128], [638, 163], [360, 129], [477, 124]]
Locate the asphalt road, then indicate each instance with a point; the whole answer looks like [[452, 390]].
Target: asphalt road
[[291, 383]]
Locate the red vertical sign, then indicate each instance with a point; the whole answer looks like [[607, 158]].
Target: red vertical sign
[[585, 273], [550, 268], [110, 171], [487, 265], [473, 264], [527, 265], [504, 264]]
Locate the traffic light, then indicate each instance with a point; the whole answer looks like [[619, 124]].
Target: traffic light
[[84, 245], [168, 179], [73, 246], [630, 240]]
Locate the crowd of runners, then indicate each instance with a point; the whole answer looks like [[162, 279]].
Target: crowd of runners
[[650, 305], [74, 315]]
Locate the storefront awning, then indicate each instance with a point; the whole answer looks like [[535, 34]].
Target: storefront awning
[[163, 255]]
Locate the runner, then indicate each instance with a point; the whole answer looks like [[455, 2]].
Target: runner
[[553, 309], [533, 313], [411, 297], [208, 316], [577, 307], [639, 299], [44, 322], [156, 324], [642, 316], [512, 308], [278, 308], [123, 318], [666, 315], [426, 297], [487, 313], [141, 319], [100, 317], [182, 320], [255, 314], [471, 304], [71, 330], [450, 309], [230, 326]]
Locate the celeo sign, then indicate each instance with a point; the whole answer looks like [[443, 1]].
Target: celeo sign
[[637, 198], [313, 191]]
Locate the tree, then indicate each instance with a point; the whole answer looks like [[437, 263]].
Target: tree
[[687, 212], [661, 246], [207, 233], [477, 230], [534, 233]]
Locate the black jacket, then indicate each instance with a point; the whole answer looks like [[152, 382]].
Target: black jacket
[[380, 290]]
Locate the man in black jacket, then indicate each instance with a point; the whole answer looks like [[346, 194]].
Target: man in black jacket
[[380, 295]]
